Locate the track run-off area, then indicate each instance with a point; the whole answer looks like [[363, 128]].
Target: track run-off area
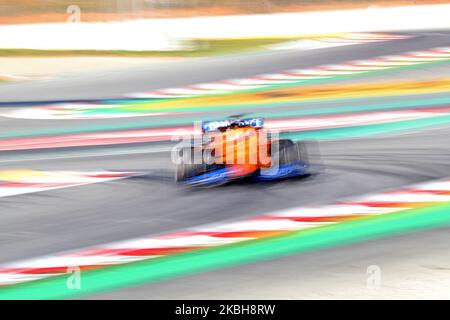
[[86, 178]]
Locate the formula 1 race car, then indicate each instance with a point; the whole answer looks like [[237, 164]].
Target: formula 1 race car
[[237, 148]]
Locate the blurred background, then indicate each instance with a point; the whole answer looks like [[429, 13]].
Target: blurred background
[[92, 93], [24, 11]]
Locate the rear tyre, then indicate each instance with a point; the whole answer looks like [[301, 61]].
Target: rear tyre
[[186, 166], [285, 151]]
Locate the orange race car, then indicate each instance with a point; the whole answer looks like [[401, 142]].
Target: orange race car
[[238, 148]]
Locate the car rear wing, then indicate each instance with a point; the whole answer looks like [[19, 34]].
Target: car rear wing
[[209, 126]]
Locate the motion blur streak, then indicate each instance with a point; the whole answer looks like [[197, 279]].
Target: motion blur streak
[[28, 181], [222, 234], [150, 271], [376, 131], [272, 97], [165, 134]]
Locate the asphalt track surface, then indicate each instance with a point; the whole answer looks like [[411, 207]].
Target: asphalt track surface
[[411, 266], [47, 222], [113, 84], [100, 213]]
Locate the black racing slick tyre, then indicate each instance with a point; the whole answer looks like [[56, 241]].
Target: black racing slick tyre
[[189, 163], [285, 151]]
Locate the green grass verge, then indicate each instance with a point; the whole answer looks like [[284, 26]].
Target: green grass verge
[[158, 269], [201, 48]]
